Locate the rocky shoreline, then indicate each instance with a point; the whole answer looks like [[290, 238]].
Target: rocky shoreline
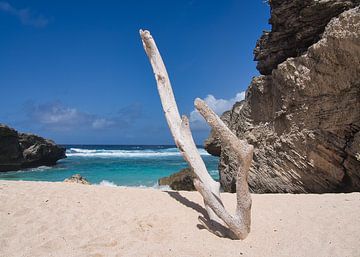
[[22, 150]]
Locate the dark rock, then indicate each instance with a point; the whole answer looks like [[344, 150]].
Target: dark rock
[[182, 180], [296, 25], [77, 178], [304, 118], [20, 150]]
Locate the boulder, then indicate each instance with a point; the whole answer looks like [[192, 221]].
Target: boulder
[[182, 180], [21, 150], [303, 115], [77, 178]]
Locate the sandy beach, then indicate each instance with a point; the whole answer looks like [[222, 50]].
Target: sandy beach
[[61, 219]]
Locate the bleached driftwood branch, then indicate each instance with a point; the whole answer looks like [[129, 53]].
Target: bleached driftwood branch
[[179, 127], [239, 223]]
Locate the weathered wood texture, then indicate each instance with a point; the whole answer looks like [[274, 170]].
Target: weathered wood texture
[[238, 224]]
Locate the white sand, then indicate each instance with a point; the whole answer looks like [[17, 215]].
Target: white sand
[[59, 219]]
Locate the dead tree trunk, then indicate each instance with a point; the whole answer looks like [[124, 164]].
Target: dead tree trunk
[[239, 223]]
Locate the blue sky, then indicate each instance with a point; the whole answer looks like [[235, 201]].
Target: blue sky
[[76, 72]]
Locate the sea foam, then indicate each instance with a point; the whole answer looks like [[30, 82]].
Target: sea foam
[[107, 183], [155, 186], [78, 152]]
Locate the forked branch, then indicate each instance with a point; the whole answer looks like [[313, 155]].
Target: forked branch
[[239, 223]]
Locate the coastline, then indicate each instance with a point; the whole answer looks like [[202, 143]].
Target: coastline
[[63, 219], [121, 165]]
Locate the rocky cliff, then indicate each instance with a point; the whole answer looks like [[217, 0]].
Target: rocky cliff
[[20, 150], [303, 113]]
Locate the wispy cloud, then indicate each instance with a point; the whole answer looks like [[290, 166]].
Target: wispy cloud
[[219, 106], [58, 117], [128, 114], [101, 123], [25, 15]]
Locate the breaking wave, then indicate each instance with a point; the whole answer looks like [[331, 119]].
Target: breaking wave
[[107, 183], [112, 184], [79, 152]]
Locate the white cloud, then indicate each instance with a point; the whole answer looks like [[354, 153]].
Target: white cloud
[[219, 106], [26, 16], [57, 116], [102, 123]]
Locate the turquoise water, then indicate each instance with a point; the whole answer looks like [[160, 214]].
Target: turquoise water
[[114, 165]]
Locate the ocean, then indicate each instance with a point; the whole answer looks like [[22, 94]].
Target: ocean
[[115, 165]]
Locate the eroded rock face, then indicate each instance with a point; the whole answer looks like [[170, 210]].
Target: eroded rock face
[[296, 25], [303, 118], [182, 180], [20, 150]]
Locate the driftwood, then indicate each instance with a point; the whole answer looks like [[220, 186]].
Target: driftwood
[[239, 223]]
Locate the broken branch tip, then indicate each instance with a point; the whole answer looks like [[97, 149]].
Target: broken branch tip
[[198, 101], [145, 34]]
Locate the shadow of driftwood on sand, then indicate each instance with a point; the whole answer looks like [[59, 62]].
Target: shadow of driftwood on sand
[[213, 226], [183, 200]]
